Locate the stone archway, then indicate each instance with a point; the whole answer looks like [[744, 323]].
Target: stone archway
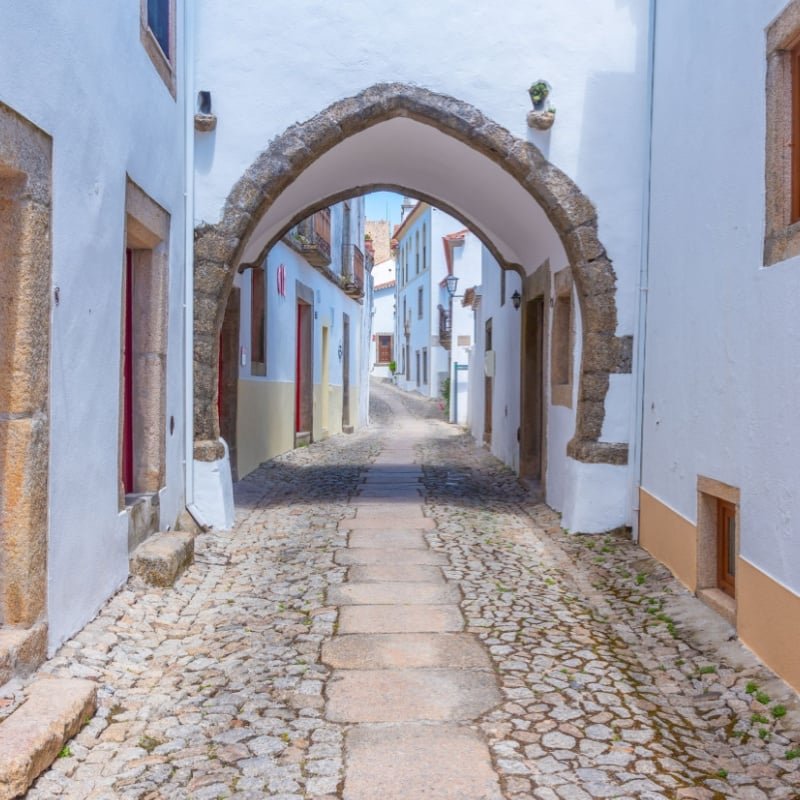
[[570, 212]]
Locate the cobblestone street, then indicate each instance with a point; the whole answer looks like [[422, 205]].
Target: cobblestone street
[[393, 617]]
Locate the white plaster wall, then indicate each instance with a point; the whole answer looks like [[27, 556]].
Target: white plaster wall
[[506, 345], [383, 321], [723, 343], [560, 419], [330, 303], [256, 63], [420, 336], [85, 79]]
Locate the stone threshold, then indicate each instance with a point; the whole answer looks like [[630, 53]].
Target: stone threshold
[[21, 650], [34, 735]]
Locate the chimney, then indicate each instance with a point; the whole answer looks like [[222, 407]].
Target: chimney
[[406, 208]]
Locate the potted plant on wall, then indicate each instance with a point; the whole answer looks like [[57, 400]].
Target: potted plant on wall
[[393, 369], [539, 92], [542, 116]]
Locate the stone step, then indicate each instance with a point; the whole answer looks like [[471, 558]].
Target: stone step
[[400, 619], [403, 573], [376, 594], [375, 556], [31, 738], [163, 557], [392, 510], [395, 539], [435, 762], [410, 695], [405, 651], [21, 650], [356, 523]]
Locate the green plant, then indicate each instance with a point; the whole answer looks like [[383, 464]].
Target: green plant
[[64, 752], [779, 711], [393, 367], [792, 753], [539, 92], [445, 390], [721, 773], [759, 719], [752, 687], [640, 579], [707, 670], [763, 733], [763, 698]]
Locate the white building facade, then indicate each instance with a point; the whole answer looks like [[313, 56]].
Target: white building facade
[[382, 346], [94, 428], [300, 338]]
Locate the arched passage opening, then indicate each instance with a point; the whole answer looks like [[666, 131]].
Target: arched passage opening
[[442, 150]]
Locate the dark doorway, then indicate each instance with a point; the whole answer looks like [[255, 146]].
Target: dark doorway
[[487, 385], [304, 386], [346, 373], [532, 417], [227, 388]]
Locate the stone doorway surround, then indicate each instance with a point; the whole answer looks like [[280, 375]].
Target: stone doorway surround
[[25, 290], [218, 247]]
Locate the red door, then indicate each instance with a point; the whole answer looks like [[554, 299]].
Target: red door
[[298, 375], [127, 378]]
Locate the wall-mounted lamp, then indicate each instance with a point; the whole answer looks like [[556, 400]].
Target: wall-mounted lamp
[[340, 351], [516, 299], [204, 120], [452, 284]]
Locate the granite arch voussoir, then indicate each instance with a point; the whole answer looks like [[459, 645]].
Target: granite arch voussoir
[[286, 157]]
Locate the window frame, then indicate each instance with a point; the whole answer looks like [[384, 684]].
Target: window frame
[[164, 63], [782, 167], [378, 349]]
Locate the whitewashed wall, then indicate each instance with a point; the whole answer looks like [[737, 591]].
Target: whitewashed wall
[[383, 321], [86, 80], [330, 303], [421, 325], [723, 345]]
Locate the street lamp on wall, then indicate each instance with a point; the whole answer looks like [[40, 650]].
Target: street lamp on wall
[[516, 299], [452, 285]]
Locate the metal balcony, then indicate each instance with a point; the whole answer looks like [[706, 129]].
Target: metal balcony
[[352, 270], [445, 327], [312, 238]]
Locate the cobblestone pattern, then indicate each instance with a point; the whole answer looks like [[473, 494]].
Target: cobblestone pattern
[[606, 695], [215, 689]]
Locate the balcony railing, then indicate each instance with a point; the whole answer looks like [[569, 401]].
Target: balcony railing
[[352, 270], [312, 238], [445, 327]]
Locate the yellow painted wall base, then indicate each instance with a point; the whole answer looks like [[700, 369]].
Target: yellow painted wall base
[[333, 425], [767, 621], [669, 537], [264, 423]]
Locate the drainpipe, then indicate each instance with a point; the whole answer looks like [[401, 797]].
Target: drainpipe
[[644, 270], [188, 271]]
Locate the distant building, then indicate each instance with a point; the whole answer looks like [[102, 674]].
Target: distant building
[[382, 351], [299, 336], [429, 244]]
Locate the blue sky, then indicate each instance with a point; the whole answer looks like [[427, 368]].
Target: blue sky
[[381, 204]]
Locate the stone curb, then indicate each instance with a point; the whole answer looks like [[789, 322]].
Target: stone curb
[[163, 557], [21, 650], [33, 736]]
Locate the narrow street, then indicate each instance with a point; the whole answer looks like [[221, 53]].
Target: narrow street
[[392, 617]]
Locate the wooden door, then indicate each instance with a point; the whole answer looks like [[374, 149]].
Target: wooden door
[[346, 371], [726, 547], [127, 377], [532, 417]]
